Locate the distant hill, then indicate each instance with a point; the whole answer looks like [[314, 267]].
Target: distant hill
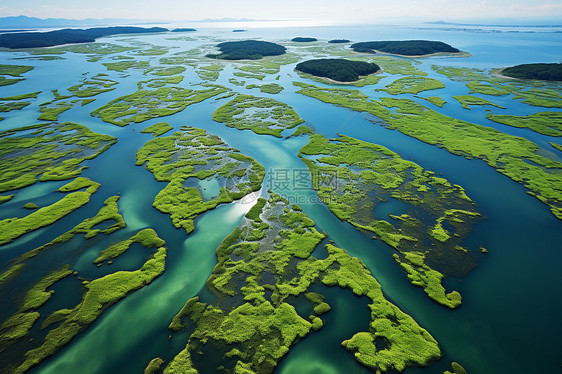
[[247, 50], [67, 36], [546, 72], [338, 69], [34, 22], [183, 30], [405, 47]]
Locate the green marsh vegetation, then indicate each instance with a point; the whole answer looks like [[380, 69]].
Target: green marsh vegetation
[[468, 100], [435, 100], [546, 123], [393, 65], [52, 152], [259, 114], [515, 157], [263, 267], [13, 228], [530, 92], [99, 294], [148, 104], [158, 129], [413, 85], [353, 177], [11, 74], [192, 155], [270, 88]]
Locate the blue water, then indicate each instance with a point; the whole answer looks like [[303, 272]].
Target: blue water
[[509, 321]]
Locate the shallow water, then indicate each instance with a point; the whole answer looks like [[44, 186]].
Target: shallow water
[[511, 302]]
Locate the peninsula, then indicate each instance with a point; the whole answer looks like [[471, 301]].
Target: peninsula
[[21, 40]]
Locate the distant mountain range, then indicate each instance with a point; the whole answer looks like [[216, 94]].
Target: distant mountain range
[[34, 22], [490, 25], [24, 22]]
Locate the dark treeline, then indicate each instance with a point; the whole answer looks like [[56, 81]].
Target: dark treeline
[[404, 47], [239, 30], [334, 41], [337, 69], [546, 72], [247, 50], [303, 40], [183, 30], [67, 36]]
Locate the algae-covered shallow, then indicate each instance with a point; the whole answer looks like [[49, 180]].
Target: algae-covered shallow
[[371, 193]]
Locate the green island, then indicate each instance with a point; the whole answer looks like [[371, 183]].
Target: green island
[[158, 129], [457, 369], [413, 85], [52, 152], [404, 47], [126, 64], [556, 146], [365, 176], [99, 294], [247, 50], [270, 88], [95, 86], [13, 228], [435, 100], [148, 104], [339, 41], [301, 39], [260, 114], [468, 100], [546, 72], [337, 69], [515, 157], [546, 123], [189, 158], [531, 92], [263, 268], [11, 74]]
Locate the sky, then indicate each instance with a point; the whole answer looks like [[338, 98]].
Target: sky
[[338, 11]]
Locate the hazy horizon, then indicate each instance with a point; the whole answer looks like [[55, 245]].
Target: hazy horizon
[[312, 12]]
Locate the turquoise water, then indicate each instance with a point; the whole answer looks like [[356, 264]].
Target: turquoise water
[[509, 321]]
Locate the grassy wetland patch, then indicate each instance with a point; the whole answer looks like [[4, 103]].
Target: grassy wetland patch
[[413, 85], [187, 158], [262, 267], [47, 152], [353, 178], [259, 114], [148, 104], [515, 157], [99, 294], [546, 123]]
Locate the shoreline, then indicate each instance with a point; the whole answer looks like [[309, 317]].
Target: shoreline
[[444, 54], [311, 76]]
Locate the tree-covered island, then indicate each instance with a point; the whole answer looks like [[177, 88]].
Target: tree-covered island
[[247, 50], [337, 69]]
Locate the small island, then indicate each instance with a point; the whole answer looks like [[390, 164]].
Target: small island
[[545, 72], [404, 47], [247, 50], [337, 69], [304, 40], [67, 36], [239, 30], [339, 41], [183, 30]]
